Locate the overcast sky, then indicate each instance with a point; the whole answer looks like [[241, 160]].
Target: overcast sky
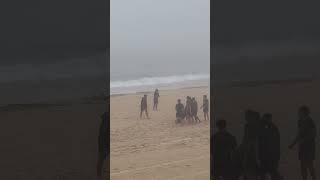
[[153, 31]]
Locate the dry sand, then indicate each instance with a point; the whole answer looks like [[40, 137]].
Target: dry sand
[[157, 148], [45, 142], [280, 99], [49, 142]]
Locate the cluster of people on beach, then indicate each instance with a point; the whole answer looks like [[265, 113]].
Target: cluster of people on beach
[[189, 112], [258, 155]]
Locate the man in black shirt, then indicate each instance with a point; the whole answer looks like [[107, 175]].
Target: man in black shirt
[[223, 147], [269, 148], [305, 139]]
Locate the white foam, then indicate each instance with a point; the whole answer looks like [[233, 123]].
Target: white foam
[[150, 81]]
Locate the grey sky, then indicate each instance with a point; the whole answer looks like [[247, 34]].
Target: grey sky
[[159, 30]]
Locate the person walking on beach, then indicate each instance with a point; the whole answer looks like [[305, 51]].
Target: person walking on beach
[[179, 111], [305, 139], [223, 147], [194, 107], [205, 107], [156, 99], [188, 110], [269, 148], [144, 106], [102, 143]]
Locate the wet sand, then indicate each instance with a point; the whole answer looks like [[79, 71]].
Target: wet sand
[[157, 148]]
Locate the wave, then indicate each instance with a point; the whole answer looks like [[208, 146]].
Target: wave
[[149, 81]]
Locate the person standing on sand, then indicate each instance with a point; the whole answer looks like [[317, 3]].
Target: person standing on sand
[[249, 147], [205, 107], [223, 146], [144, 106], [156, 100], [269, 148], [188, 110], [102, 142], [305, 139], [179, 111], [194, 106]]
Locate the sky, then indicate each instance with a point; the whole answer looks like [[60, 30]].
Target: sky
[[240, 22], [159, 33], [50, 30], [69, 28]]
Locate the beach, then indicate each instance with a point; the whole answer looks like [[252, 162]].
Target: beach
[[158, 148], [50, 141]]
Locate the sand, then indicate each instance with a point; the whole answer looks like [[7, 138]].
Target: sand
[[280, 99], [50, 142], [157, 148], [45, 142]]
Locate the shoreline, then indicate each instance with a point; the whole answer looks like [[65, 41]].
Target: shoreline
[[165, 90]]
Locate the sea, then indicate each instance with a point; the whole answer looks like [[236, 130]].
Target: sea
[[57, 80], [144, 75]]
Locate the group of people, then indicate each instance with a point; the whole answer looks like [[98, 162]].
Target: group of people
[[259, 153], [189, 112]]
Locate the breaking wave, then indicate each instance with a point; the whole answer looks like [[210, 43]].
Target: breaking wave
[[149, 81]]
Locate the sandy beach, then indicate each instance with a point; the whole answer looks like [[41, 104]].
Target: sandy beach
[[157, 148], [50, 141]]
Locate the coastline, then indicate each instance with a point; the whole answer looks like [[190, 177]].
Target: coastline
[[158, 148]]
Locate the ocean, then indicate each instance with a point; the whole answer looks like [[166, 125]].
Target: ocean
[[63, 79], [139, 75], [51, 80]]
